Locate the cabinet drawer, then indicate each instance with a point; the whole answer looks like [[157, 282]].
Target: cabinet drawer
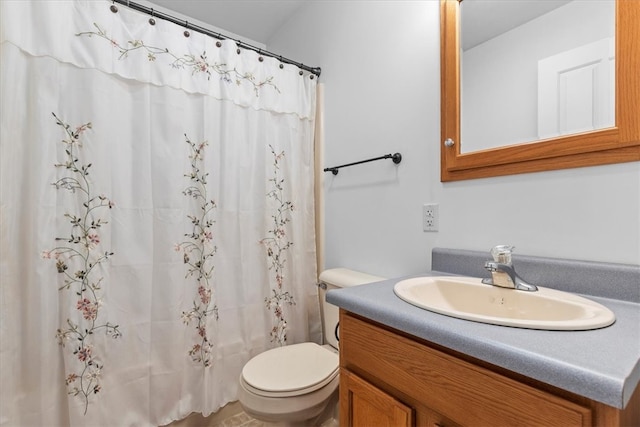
[[465, 393]]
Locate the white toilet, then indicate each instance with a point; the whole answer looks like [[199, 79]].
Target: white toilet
[[298, 383]]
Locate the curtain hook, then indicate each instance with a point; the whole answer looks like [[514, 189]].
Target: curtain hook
[[151, 20]]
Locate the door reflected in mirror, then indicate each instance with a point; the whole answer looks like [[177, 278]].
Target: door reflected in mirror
[[535, 69]]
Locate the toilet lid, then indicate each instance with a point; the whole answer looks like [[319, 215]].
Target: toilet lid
[[298, 368]]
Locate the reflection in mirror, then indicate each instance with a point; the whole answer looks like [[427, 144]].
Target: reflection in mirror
[[575, 146], [535, 69]]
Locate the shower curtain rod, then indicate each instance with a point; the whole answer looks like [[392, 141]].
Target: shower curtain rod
[[154, 13]]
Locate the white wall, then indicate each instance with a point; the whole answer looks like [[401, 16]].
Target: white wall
[[381, 69]]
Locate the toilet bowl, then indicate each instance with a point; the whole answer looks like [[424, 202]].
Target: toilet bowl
[[298, 383], [293, 383]]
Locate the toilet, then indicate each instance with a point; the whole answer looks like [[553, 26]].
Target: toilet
[[298, 384]]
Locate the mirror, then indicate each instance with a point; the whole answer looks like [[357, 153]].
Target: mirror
[[618, 141], [532, 69]]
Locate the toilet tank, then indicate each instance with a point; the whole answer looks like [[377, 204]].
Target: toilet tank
[[332, 279]]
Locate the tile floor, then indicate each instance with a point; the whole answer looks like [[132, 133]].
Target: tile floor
[[231, 416], [244, 420], [240, 420]]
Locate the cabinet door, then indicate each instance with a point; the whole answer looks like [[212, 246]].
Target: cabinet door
[[363, 405]]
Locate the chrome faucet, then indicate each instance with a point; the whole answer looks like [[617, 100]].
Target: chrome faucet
[[503, 273]]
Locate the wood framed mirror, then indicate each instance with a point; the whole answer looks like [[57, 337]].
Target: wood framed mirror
[[617, 144]]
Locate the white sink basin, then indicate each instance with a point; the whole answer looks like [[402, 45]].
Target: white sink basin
[[468, 298]]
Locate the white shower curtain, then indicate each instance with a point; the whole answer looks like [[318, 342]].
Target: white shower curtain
[[157, 215]]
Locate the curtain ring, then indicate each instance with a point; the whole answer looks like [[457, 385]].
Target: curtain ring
[[186, 25], [151, 20]]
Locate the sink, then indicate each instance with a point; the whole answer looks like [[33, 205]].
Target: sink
[[468, 298]]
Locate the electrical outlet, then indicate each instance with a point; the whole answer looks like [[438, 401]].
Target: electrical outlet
[[430, 218]]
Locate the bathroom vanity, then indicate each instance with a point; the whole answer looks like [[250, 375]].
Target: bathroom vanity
[[391, 378], [402, 365]]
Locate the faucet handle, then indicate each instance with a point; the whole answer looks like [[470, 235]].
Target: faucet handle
[[502, 253]]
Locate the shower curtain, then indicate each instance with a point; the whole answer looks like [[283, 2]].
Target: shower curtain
[[157, 215]]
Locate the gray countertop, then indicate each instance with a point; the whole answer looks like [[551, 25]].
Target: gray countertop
[[601, 364]]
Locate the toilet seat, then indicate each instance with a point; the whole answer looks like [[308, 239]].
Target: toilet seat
[[292, 370]]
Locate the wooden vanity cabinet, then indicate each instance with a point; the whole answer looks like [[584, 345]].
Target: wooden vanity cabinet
[[389, 378]]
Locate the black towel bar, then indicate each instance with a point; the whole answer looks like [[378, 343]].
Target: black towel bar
[[397, 158]]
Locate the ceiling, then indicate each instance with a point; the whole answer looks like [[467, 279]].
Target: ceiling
[[257, 20], [485, 19]]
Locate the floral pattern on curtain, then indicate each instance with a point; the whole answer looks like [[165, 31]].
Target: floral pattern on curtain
[[78, 260], [277, 244], [195, 63], [198, 251], [170, 224]]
